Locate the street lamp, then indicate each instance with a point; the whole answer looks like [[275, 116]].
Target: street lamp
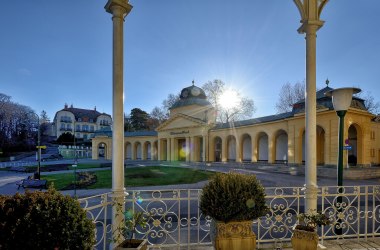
[[75, 165], [38, 146], [341, 99]]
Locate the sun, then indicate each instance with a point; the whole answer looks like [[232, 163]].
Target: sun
[[229, 99]]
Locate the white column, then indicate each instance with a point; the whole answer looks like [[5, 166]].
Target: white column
[[310, 11], [133, 151], [151, 151], [311, 119], [118, 9]]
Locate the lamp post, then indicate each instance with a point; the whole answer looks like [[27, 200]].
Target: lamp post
[[341, 99], [37, 176], [75, 165], [39, 148]]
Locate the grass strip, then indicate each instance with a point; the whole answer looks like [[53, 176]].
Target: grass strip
[[137, 176]]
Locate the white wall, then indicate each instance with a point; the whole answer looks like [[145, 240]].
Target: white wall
[[232, 149], [128, 154], [247, 149], [282, 147], [263, 148]]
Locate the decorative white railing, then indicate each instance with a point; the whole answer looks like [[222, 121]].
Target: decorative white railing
[[176, 219], [99, 209]]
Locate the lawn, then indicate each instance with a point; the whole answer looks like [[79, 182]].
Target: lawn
[[140, 176]]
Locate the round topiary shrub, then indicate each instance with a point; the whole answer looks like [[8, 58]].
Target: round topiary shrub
[[233, 197], [44, 220]]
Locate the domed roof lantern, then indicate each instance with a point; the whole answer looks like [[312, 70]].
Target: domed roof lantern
[[191, 95], [192, 92]]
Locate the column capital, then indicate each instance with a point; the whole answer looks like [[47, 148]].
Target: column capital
[[310, 11], [118, 8]]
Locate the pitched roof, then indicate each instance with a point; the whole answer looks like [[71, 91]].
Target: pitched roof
[[140, 133], [320, 94], [258, 120], [108, 132], [84, 113], [324, 101]]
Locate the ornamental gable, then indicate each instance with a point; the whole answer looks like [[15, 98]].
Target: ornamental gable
[[181, 121]]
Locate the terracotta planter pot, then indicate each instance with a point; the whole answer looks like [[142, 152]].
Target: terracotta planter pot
[[235, 235], [138, 244], [304, 240]]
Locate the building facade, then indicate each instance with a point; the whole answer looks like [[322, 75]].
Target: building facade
[[80, 122], [191, 134]]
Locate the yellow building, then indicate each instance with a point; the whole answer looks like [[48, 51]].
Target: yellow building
[[191, 134], [82, 123]]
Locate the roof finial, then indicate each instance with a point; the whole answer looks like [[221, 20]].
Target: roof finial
[[327, 82], [193, 82]]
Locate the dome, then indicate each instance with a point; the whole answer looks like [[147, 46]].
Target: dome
[[191, 95], [192, 92]]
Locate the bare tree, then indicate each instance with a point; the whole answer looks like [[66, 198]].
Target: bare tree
[[369, 102], [161, 114], [213, 90], [242, 109], [169, 101], [4, 99], [290, 94], [18, 130]]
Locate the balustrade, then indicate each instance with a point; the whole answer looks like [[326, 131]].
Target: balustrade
[[177, 221]]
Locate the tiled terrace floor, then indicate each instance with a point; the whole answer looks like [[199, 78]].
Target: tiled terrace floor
[[372, 244]]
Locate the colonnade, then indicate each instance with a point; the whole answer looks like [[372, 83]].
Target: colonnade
[[286, 146], [189, 148]]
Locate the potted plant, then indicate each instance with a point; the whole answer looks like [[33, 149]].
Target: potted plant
[[305, 235], [233, 201], [132, 220], [44, 220]]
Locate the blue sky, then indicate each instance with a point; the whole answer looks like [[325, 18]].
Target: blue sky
[[56, 52]]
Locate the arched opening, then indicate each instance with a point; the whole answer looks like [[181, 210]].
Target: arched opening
[[128, 151], [102, 150], [262, 147], [303, 148], [231, 148], [320, 146], [247, 148], [182, 149], [355, 141], [218, 149], [163, 149], [147, 151], [138, 151], [281, 141]]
